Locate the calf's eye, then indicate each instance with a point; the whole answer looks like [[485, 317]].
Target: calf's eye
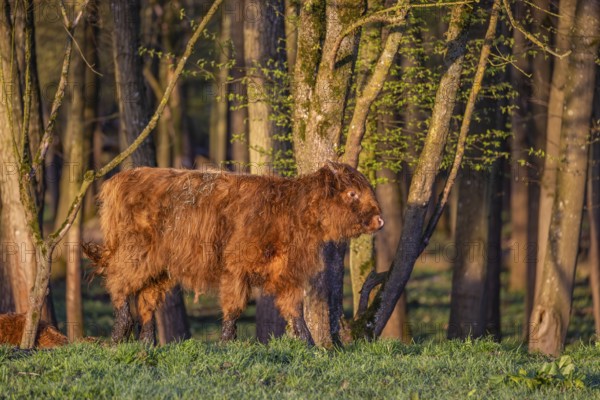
[[353, 195]]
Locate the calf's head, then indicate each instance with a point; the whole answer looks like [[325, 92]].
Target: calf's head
[[349, 208]]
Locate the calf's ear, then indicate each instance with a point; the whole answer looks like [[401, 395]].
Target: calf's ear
[[333, 167]]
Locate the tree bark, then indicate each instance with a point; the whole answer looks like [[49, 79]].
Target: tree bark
[[521, 128], [552, 305], [72, 177], [420, 191], [319, 95], [133, 110], [386, 241], [593, 205], [18, 262], [593, 208], [566, 19], [468, 304], [218, 116], [264, 31], [238, 137]]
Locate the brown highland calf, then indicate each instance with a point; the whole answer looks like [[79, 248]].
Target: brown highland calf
[[11, 331], [222, 230]]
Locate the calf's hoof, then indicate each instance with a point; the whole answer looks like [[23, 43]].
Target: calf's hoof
[[229, 331], [147, 334]]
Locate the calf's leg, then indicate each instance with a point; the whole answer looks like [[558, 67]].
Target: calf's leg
[[149, 299], [289, 302], [233, 296], [123, 321]]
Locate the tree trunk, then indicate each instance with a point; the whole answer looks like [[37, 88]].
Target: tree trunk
[[593, 208], [319, 104], [552, 306], [238, 138], [468, 305], [361, 248], [264, 30], [593, 205], [494, 251], [131, 89], [386, 243], [218, 115], [428, 165], [18, 262], [72, 177], [133, 110], [566, 19], [540, 90], [519, 145]]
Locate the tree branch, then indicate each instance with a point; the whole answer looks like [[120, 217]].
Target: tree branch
[[60, 91], [466, 122], [528, 35], [372, 89]]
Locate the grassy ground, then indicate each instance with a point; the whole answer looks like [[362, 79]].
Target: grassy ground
[[286, 368], [430, 367]]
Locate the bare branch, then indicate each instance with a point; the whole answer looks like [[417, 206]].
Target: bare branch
[[528, 35], [466, 122], [373, 279], [60, 91]]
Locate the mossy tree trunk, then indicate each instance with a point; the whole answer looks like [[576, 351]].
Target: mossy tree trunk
[[319, 94], [553, 302]]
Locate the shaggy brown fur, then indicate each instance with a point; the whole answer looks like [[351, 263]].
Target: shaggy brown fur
[[11, 331], [228, 231]]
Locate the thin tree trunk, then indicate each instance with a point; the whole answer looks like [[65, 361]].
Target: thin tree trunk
[[264, 31], [593, 208], [552, 306], [386, 242], [238, 138], [72, 176], [540, 91], [593, 204], [361, 248], [519, 191], [494, 253], [566, 20], [218, 115]]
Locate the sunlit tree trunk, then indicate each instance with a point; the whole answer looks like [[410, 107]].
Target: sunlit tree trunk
[[565, 23], [553, 302]]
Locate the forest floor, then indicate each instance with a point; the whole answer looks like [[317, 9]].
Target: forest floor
[[429, 367]]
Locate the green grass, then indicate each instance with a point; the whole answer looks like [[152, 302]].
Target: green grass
[[286, 369], [429, 368]]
